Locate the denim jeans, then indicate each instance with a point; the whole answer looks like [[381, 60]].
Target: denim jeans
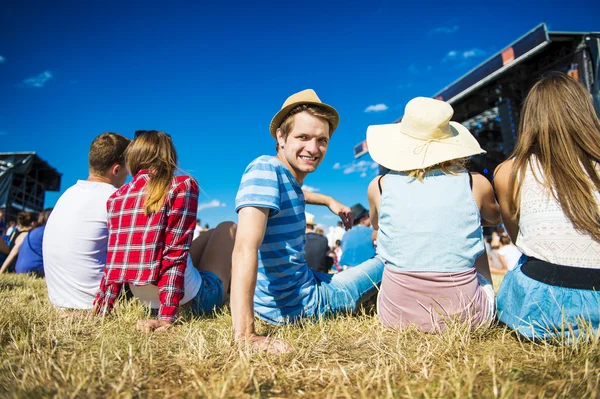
[[209, 296], [345, 291]]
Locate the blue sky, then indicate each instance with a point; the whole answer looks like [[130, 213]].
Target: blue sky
[[213, 75]]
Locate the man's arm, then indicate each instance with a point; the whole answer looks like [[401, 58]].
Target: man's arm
[[334, 206], [252, 224]]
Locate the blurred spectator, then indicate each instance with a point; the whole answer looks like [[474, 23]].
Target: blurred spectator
[[198, 229], [357, 243], [316, 247], [30, 260], [508, 253], [26, 222]]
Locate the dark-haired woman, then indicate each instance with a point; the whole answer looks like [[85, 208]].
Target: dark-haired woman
[[150, 229], [549, 194], [31, 260]]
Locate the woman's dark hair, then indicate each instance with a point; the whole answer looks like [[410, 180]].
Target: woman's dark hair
[[43, 216]]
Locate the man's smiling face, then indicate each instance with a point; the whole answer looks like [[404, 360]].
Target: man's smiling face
[[305, 146]]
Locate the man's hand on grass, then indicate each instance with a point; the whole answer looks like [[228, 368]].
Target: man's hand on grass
[[269, 344], [148, 326], [343, 212]]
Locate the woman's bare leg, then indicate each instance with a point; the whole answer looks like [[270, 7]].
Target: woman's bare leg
[[216, 252]]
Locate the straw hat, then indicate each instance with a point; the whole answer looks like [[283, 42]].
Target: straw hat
[[307, 96], [310, 219], [423, 138]]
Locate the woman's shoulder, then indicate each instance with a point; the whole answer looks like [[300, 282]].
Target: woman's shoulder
[[184, 182]]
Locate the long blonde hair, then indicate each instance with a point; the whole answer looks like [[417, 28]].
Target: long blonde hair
[[155, 151], [560, 128]]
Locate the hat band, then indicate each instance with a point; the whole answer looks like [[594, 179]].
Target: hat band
[[423, 148]]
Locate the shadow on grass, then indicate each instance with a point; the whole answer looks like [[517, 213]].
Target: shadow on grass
[[10, 285]]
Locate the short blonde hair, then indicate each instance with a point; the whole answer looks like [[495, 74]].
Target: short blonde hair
[[453, 167]]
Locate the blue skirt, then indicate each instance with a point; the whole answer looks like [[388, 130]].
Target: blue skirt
[[541, 311]]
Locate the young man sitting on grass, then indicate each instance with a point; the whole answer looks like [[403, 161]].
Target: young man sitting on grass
[[270, 277]]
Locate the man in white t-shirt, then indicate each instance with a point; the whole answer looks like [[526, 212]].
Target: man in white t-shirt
[[76, 235]]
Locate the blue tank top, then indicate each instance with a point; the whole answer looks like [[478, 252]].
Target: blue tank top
[[30, 252], [429, 226]]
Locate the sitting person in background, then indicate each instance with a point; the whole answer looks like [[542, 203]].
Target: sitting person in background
[[316, 247], [492, 244], [26, 222], [429, 211], [549, 193], [357, 243], [151, 223], [12, 227], [76, 234], [30, 260], [508, 253]]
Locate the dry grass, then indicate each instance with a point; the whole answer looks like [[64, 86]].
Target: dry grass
[[43, 353]]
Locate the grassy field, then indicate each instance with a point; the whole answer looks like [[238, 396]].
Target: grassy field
[[45, 353]]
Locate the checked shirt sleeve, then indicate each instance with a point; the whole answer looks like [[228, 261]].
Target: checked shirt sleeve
[[181, 221], [105, 299]]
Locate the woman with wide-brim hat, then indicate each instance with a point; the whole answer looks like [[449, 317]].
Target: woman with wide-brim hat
[[429, 211]]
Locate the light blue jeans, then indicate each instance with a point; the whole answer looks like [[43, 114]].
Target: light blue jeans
[[343, 292]]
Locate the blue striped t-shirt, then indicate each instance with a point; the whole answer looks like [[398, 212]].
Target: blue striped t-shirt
[[285, 286]]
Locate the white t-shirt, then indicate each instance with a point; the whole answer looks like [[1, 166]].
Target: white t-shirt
[[192, 280], [74, 246], [511, 255]]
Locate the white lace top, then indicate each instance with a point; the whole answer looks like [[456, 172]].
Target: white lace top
[[546, 233]]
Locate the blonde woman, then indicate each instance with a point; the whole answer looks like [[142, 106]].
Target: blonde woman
[[151, 223], [549, 193], [429, 212]]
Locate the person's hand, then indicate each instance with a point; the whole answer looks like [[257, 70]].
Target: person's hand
[[269, 344], [148, 326], [343, 212]]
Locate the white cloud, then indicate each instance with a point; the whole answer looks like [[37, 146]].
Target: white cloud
[[212, 204], [363, 168], [376, 108], [2, 59], [310, 188], [473, 53], [38, 81], [444, 29], [454, 55], [337, 165]]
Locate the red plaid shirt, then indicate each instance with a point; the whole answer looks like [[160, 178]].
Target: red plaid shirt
[[149, 249]]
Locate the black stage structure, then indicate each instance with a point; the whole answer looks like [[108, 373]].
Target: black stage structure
[[24, 180], [487, 99]]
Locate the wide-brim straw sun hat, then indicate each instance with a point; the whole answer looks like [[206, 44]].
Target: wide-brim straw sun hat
[[307, 96], [425, 137]]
